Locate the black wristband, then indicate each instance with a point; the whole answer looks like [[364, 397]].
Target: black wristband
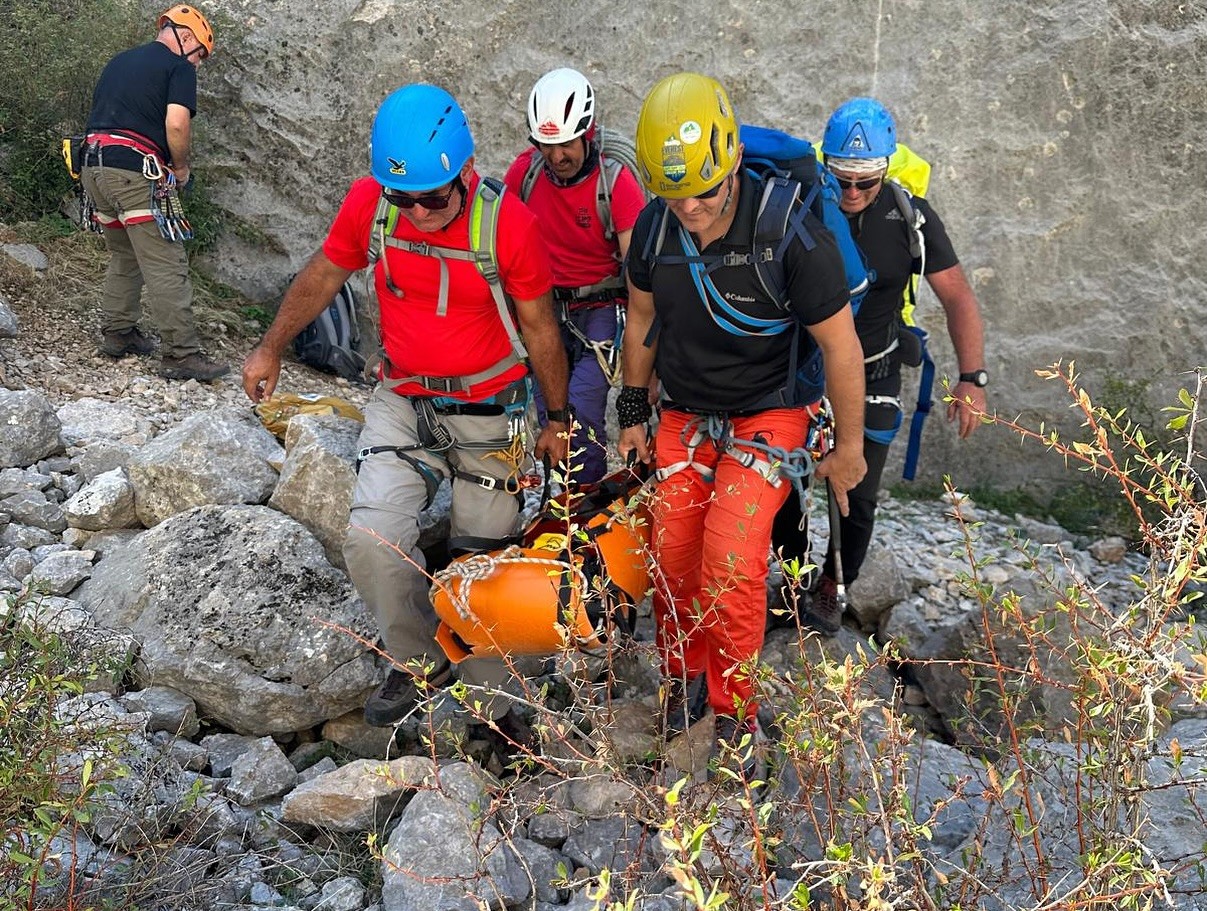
[[633, 406], [561, 415]]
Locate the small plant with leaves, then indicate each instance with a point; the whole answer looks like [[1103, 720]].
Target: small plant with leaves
[[54, 772]]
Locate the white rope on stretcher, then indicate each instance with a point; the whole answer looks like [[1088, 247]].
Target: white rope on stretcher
[[483, 566]]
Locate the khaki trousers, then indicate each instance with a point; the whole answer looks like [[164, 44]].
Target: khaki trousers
[[380, 550], [138, 255]]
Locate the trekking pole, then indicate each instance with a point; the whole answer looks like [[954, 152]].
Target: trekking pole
[[840, 588]]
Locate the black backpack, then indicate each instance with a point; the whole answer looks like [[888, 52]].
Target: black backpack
[[330, 342]]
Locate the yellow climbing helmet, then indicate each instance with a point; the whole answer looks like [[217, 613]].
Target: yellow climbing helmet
[[184, 16], [687, 136]]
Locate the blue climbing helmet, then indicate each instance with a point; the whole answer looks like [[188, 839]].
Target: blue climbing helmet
[[860, 128], [420, 139]]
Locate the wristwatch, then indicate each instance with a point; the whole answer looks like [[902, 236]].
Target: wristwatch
[[978, 378], [561, 415]]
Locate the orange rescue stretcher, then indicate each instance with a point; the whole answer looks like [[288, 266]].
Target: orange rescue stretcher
[[573, 580]]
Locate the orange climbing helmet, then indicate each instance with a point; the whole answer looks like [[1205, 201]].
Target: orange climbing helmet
[[184, 16], [554, 591]]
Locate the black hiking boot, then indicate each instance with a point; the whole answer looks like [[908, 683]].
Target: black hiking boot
[[823, 612], [120, 342], [509, 738], [194, 366], [683, 704], [400, 692]]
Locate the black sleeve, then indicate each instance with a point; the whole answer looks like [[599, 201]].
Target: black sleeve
[[940, 254], [182, 86], [638, 268], [816, 278]]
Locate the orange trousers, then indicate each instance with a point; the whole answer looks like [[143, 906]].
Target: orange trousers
[[711, 533]]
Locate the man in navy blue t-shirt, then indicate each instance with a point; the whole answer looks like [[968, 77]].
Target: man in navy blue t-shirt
[[138, 142]]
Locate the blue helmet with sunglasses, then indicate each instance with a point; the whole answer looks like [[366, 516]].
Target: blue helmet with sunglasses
[[420, 139], [860, 128]]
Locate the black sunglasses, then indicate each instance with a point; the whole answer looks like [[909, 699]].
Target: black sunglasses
[[430, 201], [865, 183], [713, 191]]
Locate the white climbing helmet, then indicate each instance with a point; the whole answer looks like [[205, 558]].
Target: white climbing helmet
[[561, 107]]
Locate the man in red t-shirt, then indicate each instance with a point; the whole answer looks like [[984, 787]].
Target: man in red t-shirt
[[559, 180], [454, 378]]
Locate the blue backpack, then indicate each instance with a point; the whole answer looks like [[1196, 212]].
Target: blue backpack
[[793, 183]]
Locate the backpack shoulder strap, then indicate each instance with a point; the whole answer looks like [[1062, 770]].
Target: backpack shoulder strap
[[779, 209], [482, 252], [535, 163], [384, 219], [649, 254], [483, 236], [609, 171], [913, 217]]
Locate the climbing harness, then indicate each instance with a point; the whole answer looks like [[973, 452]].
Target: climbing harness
[[435, 437], [606, 351], [773, 464], [164, 205]]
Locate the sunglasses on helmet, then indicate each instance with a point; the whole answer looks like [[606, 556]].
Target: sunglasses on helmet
[[430, 201]]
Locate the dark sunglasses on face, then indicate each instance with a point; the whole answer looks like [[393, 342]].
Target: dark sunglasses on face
[[710, 193], [430, 201], [864, 183]]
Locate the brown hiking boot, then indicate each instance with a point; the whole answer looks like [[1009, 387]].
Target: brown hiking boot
[[194, 366], [400, 692], [120, 342], [823, 612]]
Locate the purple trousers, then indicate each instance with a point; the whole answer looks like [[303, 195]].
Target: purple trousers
[[588, 394]]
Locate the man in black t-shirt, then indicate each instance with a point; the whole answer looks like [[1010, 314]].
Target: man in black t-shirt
[[859, 139], [727, 445], [138, 147]]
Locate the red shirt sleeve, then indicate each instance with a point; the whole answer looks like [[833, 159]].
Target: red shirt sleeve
[[347, 243], [627, 200], [523, 256]]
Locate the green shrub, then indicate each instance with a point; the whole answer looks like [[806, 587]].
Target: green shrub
[[52, 770], [51, 53]]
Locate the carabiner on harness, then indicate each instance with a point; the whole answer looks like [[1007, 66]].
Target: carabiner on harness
[[165, 201]]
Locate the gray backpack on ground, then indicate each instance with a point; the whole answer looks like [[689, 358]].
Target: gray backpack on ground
[[330, 342]]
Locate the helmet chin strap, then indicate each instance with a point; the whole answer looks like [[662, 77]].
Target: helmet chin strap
[[728, 197], [180, 42]]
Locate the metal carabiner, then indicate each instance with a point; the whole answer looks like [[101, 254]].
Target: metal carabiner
[[151, 168]]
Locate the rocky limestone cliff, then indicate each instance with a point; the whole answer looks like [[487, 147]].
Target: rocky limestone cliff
[[1066, 136]]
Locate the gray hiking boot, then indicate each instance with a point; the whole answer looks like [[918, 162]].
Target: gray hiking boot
[[194, 366], [823, 612], [400, 692], [120, 342]]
